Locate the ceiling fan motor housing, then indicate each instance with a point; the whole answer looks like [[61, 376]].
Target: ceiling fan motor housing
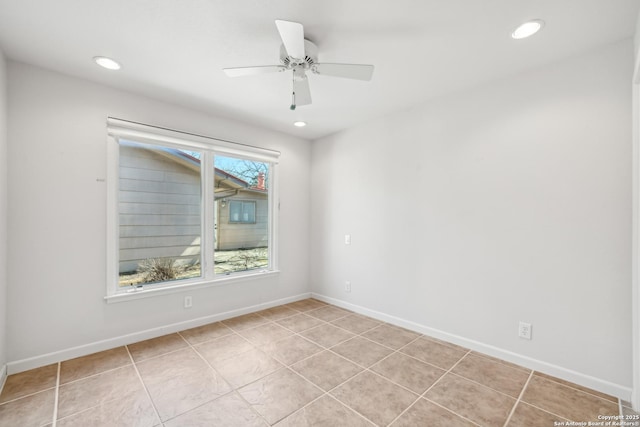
[[311, 57]]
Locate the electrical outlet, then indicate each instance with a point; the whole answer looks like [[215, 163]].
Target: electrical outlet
[[524, 330], [347, 239], [347, 286], [188, 302]]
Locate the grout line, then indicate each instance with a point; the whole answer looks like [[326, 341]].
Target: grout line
[[350, 408], [255, 347], [445, 373], [620, 408], [484, 386], [430, 387], [96, 374], [322, 392], [451, 411], [328, 392], [384, 345], [365, 368], [567, 384], [233, 390], [425, 362], [503, 363], [393, 382], [535, 406], [144, 386], [56, 398], [207, 340], [470, 352], [259, 348], [332, 323], [329, 349], [28, 395], [418, 397], [250, 406], [153, 357], [560, 417], [513, 409]]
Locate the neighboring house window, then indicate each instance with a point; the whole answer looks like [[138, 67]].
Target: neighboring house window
[[186, 210], [242, 212]]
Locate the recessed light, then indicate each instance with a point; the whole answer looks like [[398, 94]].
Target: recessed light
[[527, 29], [300, 124], [107, 63]]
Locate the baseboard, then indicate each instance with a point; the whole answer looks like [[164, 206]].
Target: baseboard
[[83, 350], [584, 380]]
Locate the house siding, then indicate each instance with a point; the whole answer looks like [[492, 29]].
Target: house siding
[[242, 235], [159, 205]]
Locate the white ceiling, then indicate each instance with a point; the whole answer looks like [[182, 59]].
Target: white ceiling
[[175, 50]]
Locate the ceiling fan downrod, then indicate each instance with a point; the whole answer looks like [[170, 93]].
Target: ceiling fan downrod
[[293, 93]]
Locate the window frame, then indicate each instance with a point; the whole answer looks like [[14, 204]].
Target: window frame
[[210, 147]]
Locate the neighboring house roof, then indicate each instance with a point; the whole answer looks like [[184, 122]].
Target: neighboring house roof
[[226, 184]]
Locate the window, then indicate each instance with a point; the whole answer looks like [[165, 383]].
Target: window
[[159, 213], [242, 212], [186, 210]]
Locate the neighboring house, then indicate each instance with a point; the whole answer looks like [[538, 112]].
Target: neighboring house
[[241, 212], [160, 213]]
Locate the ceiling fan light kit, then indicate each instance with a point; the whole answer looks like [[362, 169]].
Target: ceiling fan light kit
[[300, 55]]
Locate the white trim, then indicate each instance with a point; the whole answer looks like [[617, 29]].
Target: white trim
[[598, 384], [119, 128], [207, 205], [86, 349], [636, 70], [186, 285], [274, 209], [635, 235], [113, 165], [3, 377]]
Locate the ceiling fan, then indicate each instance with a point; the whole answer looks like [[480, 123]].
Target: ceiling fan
[[300, 55]]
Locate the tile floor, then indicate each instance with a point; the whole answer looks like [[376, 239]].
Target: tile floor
[[301, 364]]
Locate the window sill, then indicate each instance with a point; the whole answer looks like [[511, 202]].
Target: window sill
[[156, 290]]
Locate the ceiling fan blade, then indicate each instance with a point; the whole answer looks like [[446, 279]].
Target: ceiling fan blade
[[292, 35], [349, 71], [250, 71], [301, 89]]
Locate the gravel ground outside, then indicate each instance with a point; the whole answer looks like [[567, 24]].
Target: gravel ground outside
[[225, 262]]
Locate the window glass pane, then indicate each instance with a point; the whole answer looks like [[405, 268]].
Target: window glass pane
[[159, 199], [235, 210], [241, 215], [242, 211], [249, 212]]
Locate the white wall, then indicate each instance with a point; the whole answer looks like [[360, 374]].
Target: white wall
[[505, 203], [57, 215], [3, 213]]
